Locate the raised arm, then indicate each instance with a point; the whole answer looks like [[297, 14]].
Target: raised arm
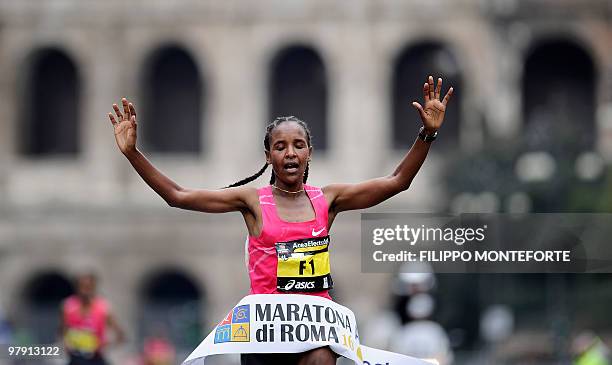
[[212, 201], [366, 194]]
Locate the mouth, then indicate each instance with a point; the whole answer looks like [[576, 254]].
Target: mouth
[[291, 167]]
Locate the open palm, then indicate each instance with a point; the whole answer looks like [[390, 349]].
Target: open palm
[[432, 112], [125, 126]]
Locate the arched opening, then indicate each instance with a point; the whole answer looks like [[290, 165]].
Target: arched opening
[[559, 98], [43, 295], [298, 86], [170, 308], [50, 105], [173, 96], [410, 72]]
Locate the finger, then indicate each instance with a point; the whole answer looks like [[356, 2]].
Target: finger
[[132, 109], [419, 108], [112, 119], [134, 123], [126, 108], [118, 112], [447, 97], [426, 92], [438, 89], [431, 87]]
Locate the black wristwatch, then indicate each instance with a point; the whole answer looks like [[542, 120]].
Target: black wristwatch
[[427, 137]]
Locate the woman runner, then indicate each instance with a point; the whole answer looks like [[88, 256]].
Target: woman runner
[[85, 317], [288, 215]]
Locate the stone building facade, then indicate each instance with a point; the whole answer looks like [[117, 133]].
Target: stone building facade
[[84, 207]]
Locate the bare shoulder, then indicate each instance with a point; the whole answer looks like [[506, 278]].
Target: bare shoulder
[[248, 194], [245, 194], [332, 191]]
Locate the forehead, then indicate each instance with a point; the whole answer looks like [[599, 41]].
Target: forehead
[[288, 131], [87, 280]]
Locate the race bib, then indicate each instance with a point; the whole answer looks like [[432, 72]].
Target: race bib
[[82, 341], [303, 265]]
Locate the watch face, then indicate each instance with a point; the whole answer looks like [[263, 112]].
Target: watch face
[[427, 137]]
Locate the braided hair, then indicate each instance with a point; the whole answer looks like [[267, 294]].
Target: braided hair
[[266, 143]]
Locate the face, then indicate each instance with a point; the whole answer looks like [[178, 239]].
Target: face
[[86, 286], [289, 153]]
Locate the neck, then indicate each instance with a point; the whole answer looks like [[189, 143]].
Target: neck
[[85, 300], [289, 190]]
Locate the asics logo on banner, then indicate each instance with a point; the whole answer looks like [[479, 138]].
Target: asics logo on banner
[[301, 285], [316, 233]]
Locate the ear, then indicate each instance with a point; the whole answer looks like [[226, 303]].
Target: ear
[[310, 153], [268, 158]]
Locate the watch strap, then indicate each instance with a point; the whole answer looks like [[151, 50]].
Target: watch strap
[[427, 137]]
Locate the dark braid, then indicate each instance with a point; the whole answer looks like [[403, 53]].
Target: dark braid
[[306, 172], [266, 142], [250, 178]]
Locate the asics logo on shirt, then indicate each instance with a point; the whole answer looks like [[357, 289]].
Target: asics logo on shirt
[[291, 284], [316, 233]]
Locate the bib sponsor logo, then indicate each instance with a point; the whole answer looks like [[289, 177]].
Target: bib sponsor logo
[[283, 251], [235, 326], [300, 285]]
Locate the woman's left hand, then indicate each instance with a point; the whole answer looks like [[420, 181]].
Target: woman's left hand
[[432, 113]]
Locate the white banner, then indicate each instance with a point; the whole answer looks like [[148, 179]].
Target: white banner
[[289, 323]]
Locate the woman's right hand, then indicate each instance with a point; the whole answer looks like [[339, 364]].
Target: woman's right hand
[[125, 126], [241, 199]]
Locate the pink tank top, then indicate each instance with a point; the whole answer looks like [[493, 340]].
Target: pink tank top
[[262, 252], [86, 331]]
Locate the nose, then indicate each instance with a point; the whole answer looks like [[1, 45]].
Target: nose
[[290, 152]]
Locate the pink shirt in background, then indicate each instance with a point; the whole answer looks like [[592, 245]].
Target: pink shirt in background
[[90, 323]]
